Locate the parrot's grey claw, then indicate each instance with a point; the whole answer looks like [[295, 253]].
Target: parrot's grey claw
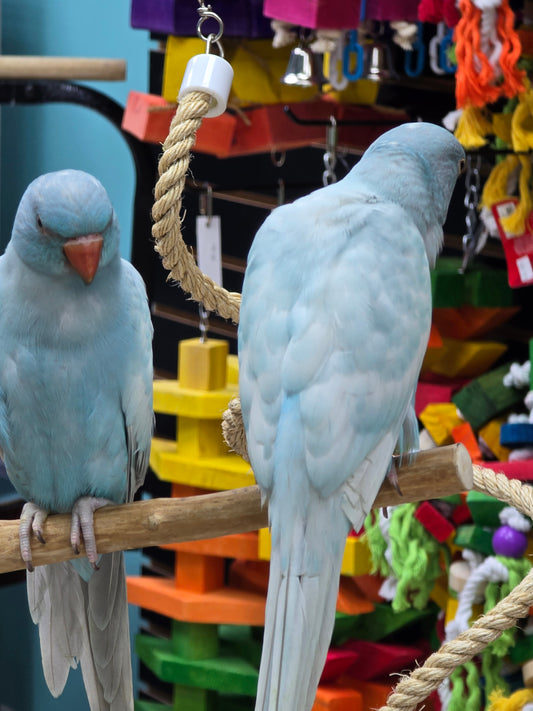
[[32, 520], [82, 526], [392, 476]]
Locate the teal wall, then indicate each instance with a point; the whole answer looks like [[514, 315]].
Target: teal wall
[[38, 139], [35, 140]]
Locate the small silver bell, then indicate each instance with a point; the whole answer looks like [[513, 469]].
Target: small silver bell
[[301, 70], [377, 62]]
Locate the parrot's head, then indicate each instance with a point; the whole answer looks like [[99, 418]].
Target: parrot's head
[[65, 225], [416, 165]]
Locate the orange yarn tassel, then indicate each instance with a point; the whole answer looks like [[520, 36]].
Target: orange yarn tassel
[[513, 78], [477, 81]]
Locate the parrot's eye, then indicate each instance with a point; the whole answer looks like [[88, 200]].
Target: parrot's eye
[[462, 164]]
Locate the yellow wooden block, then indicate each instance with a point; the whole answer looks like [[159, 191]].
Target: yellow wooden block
[[464, 359], [258, 68], [171, 398], [200, 438], [490, 434], [232, 373], [202, 366], [451, 610], [440, 594], [217, 473], [439, 419], [356, 559]]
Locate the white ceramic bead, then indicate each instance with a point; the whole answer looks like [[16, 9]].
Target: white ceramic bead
[[213, 75]]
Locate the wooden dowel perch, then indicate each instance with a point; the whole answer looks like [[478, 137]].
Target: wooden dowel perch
[[436, 473], [33, 67]]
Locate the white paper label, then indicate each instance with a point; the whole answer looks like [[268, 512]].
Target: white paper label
[[524, 268], [208, 246]]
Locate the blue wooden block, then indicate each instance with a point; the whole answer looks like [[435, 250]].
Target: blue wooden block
[[516, 434]]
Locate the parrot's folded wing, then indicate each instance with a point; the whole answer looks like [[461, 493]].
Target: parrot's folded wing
[[136, 398], [336, 316]]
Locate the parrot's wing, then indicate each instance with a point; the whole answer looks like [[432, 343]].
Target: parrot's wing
[[335, 318], [137, 389]]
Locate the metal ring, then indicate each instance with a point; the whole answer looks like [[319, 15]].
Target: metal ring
[[205, 14]]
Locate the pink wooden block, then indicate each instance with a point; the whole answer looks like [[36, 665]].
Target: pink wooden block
[[326, 14]]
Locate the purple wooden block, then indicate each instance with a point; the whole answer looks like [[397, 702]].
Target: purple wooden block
[[242, 18]]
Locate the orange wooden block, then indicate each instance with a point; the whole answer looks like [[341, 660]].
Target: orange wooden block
[[250, 575], [374, 693], [199, 573], [336, 698], [464, 434], [220, 607], [369, 585], [469, 321], [351, 600], [435, 339], [239, 545], [147, 116], [181, 491]]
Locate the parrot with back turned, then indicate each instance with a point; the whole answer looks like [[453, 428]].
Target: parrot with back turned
[[75, 416], [334, 322]]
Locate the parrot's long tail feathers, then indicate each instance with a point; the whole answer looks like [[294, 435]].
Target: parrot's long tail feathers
[[55, 597], [85, 622], [300, 614]]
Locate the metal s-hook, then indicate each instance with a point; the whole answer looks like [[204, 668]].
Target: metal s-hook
[[330, 156], [206, 13]]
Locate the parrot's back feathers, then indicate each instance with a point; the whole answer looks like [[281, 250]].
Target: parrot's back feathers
[[334, 322]]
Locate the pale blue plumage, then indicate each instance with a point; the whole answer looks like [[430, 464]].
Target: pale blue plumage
[[334, 322], [75, 414]]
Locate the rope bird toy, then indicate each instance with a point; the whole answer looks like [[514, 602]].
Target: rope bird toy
[[196, 100]]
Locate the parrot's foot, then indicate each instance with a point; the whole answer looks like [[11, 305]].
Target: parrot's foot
[[82, 526], [32, 519], [392, 476]]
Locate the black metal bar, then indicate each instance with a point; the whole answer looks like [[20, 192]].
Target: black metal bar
[[17, 91]]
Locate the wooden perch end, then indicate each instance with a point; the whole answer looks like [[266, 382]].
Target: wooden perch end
[[438, 472]]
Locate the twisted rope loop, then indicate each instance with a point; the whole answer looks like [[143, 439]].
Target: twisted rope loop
[[179, 261], [166, 212]]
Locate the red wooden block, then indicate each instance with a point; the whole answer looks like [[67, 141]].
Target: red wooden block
[[434, 522], [427, 393], [522, 470], [461, 514], [379, 660], [337, 663]]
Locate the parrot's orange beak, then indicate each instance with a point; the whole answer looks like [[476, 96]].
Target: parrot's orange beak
[[83, 253]]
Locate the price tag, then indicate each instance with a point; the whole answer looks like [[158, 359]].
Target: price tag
[[518, 248], [208, 246]]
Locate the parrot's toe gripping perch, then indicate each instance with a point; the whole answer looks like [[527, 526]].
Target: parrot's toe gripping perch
[[32, 519], [82, 526]]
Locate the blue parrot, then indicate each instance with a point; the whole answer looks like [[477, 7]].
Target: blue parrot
[[75, 416], [334, 322]]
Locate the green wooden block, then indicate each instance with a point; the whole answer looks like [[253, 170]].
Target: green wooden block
[[475, 538], [382, 622], [243, 640], [195, 640], [522, 650], [447, 285], [227, 672], [486, 397], [487, 287], [190, 698], [484, 509], [149, 706]]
